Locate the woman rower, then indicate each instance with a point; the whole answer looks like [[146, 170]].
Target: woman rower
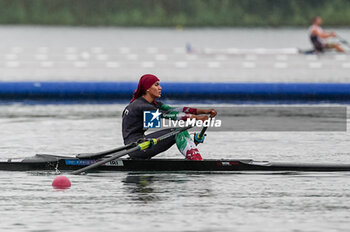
[[144, 99]]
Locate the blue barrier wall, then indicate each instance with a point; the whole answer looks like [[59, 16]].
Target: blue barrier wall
[[114, 91]]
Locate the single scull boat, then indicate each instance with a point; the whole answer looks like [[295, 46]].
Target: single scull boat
[[111, 160], [46, 162]]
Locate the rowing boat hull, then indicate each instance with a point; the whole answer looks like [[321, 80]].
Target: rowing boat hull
[[57, 163]]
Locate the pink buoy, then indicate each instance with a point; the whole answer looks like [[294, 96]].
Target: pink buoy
[[61, 182]]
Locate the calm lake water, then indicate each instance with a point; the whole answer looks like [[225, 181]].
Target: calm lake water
[[167, 201]]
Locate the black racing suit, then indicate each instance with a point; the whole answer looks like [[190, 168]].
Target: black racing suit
[[132, 128]]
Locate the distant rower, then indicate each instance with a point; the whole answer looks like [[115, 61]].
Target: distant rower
[[318, 36]]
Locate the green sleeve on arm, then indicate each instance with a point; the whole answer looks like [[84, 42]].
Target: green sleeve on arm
[[165, 107], [169, 112]]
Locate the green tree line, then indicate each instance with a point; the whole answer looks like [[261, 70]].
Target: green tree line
[[189, 13]]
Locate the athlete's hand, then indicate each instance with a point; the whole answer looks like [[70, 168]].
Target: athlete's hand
[[333, 34], [212, 113]]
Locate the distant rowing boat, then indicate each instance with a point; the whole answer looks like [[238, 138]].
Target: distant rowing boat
[[256, 51], [43, 162]]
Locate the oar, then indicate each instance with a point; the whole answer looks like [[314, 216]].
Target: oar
[[343, 41], [104, 153], [198, 138], [141, 146]]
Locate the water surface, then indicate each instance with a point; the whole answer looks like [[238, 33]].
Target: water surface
[[167, 201]]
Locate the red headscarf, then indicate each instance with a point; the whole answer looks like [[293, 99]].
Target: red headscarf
[[145, 82]]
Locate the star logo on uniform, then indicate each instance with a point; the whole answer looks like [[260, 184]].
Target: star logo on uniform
[[155, 115]]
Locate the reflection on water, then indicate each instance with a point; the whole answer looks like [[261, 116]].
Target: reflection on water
[[140, 188], [149, 188], [174, 201]]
